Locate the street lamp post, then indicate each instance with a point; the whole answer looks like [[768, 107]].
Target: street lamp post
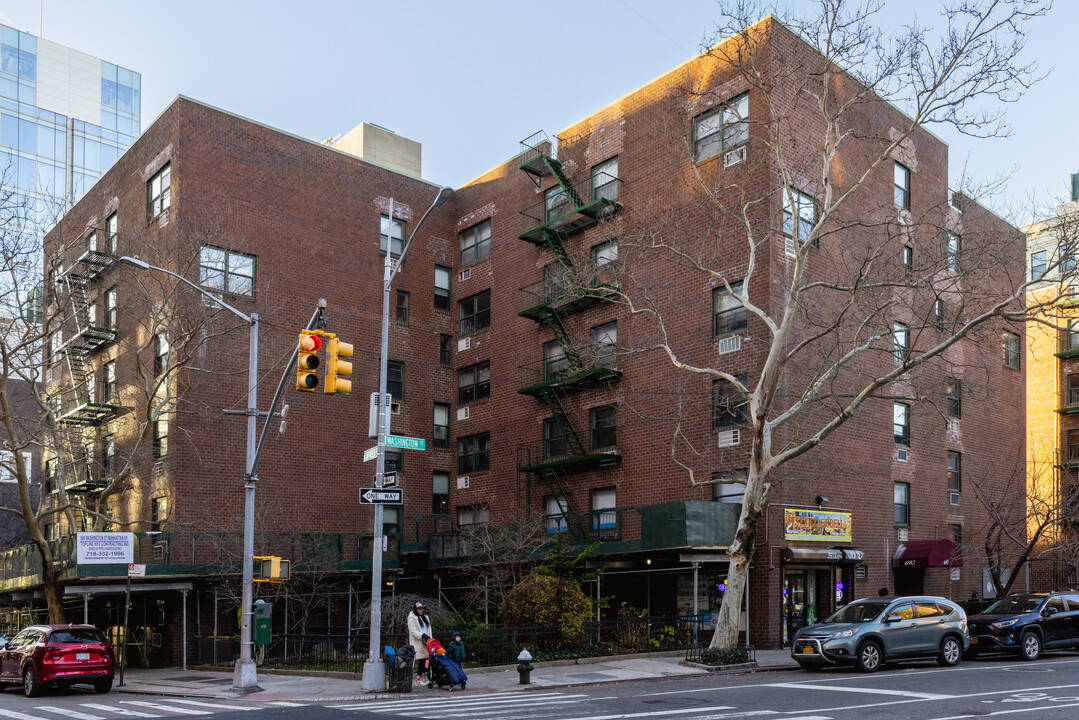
[[374, 673], [245, 675]]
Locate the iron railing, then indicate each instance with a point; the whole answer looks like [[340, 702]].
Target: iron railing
[[560, 206]]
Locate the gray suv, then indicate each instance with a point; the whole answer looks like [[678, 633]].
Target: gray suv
[[870, 632]]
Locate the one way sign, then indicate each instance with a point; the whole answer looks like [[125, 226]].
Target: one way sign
[[382, 496]]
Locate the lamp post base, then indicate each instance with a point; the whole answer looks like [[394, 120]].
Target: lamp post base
[[245, 677], [374, 676]]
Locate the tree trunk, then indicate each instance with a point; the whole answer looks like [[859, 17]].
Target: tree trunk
[[54, 596]]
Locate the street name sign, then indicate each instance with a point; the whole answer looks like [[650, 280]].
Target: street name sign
[[408, 443], [382, 496], [370, 453], [104, 548]]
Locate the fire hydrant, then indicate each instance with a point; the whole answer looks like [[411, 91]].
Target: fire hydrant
[[525, 667]]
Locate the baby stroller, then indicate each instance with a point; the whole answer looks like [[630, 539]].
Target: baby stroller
[[444, 672]]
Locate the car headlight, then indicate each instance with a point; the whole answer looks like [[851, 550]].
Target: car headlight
[[842, 634], [1004, 624]]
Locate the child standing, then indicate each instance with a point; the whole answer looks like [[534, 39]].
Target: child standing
[[456, 650]]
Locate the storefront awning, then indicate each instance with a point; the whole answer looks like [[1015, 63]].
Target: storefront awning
[[832, 555], [927, 553]]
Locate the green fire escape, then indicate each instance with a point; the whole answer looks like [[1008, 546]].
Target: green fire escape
[[567, 208]]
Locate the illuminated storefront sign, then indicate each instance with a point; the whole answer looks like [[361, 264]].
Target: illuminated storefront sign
[[816, 525]]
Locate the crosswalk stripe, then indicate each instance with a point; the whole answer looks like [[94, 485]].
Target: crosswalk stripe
[[18, 715], [654, 713], [866, 690], [479, 702], [197, 703], [118, 710], [501, 708], [285, 703], [70, 713], [166, 708], [457, 700]]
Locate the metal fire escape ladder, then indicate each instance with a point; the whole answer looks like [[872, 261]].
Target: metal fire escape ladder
[[76, 474], [552, 478], [554, 322], [554, 404]]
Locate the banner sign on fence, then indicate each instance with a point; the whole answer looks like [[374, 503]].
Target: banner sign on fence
[[104, 548]]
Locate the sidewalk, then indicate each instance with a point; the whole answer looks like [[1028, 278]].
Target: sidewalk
[[345, 687]]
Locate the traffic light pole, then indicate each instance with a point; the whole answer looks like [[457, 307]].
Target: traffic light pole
[[245, 675]]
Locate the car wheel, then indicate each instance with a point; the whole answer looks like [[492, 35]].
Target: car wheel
[[870, 657], [1030, 646], [30, 686], [950, 652], [103, 686]]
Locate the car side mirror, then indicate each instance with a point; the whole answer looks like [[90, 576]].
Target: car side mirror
[[1047, 612], [894, 617], [3, 644]]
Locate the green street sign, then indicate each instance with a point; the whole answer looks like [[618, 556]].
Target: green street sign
[[370, 453], [397, 441]]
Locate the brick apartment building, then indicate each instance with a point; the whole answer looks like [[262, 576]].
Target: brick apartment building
[[527, 390]]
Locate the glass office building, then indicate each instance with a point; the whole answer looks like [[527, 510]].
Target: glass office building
[[65, 117]]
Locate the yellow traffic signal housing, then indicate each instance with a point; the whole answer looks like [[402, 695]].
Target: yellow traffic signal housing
[[306, 378], [270, 568], [337, 369]]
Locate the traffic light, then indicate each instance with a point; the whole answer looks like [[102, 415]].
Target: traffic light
[[270, 568], [336, 368], [306, 379]]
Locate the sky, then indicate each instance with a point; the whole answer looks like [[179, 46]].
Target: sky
[[469, 79]]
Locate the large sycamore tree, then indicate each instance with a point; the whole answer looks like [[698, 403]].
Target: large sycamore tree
[[847, 318]]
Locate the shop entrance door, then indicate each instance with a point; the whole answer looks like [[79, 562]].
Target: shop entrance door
[[808, 598], [797, 601]]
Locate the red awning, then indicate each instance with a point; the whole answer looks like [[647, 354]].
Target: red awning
[[927, 553]]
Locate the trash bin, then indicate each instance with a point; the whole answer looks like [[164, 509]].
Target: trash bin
[[399, 669]]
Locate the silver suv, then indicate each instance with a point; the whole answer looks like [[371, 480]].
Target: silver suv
[[872, 631]]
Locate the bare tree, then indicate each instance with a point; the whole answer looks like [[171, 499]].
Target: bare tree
[[846, 321], [501, 556]]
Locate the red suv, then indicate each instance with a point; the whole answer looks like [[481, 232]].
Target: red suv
[[57, 655]]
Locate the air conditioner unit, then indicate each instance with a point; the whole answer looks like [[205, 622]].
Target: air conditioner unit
[[462, 413], [464, 274], [902, 534], [728, 438], [395, 408], [788, 247], [904, 216], [735, 156], [159, 467], [159, 551], [48, 375], [901, 455], [954, 498], [155, 639], [464, 344], [462, 482], [729, 344]]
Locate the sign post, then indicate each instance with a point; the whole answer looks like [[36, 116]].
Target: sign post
[[133, 570]]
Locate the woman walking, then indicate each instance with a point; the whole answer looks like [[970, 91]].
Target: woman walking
[[419, 630]]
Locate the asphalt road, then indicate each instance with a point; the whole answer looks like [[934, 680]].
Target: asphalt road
[[1004, 687]]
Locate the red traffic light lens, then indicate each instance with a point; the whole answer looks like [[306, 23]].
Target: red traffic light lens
[[310, 343]]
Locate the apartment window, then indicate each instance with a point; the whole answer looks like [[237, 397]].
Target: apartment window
[[161, 437], [604, 344], [395, 380], [901, 343], [226, 271], [938, 314], [953, 252], [474, 313], [805, 210], [108, 454], [473, 515], [555, 364], [908, 261], [1073, 391], [391, 520], [603, 503], [557, 282], [555, 511], [475, 243], [721, 128], [473, 383], [605, 180], [1073, 445], [902, 186], [730, 408], [957, 534], [555, 203], [901, 423], [110, 309], [110, 382], [1067, 260], [159, 513], [1037, 265], [729, 314], [402, 307], [1010, 342], [445, 353], [440, 493], [51, 466], [605, 255], [161, 354], [392, 234], [442, 288], [160, 188], [395, 460], [902, 503], [555, 444], [955, 468], [603, 422], [441, 431], [729, 486], [955, 398], [474, 453], [110, 234]]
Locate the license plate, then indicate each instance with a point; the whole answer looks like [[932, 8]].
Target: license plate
[[807, 650], [82, 656]]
